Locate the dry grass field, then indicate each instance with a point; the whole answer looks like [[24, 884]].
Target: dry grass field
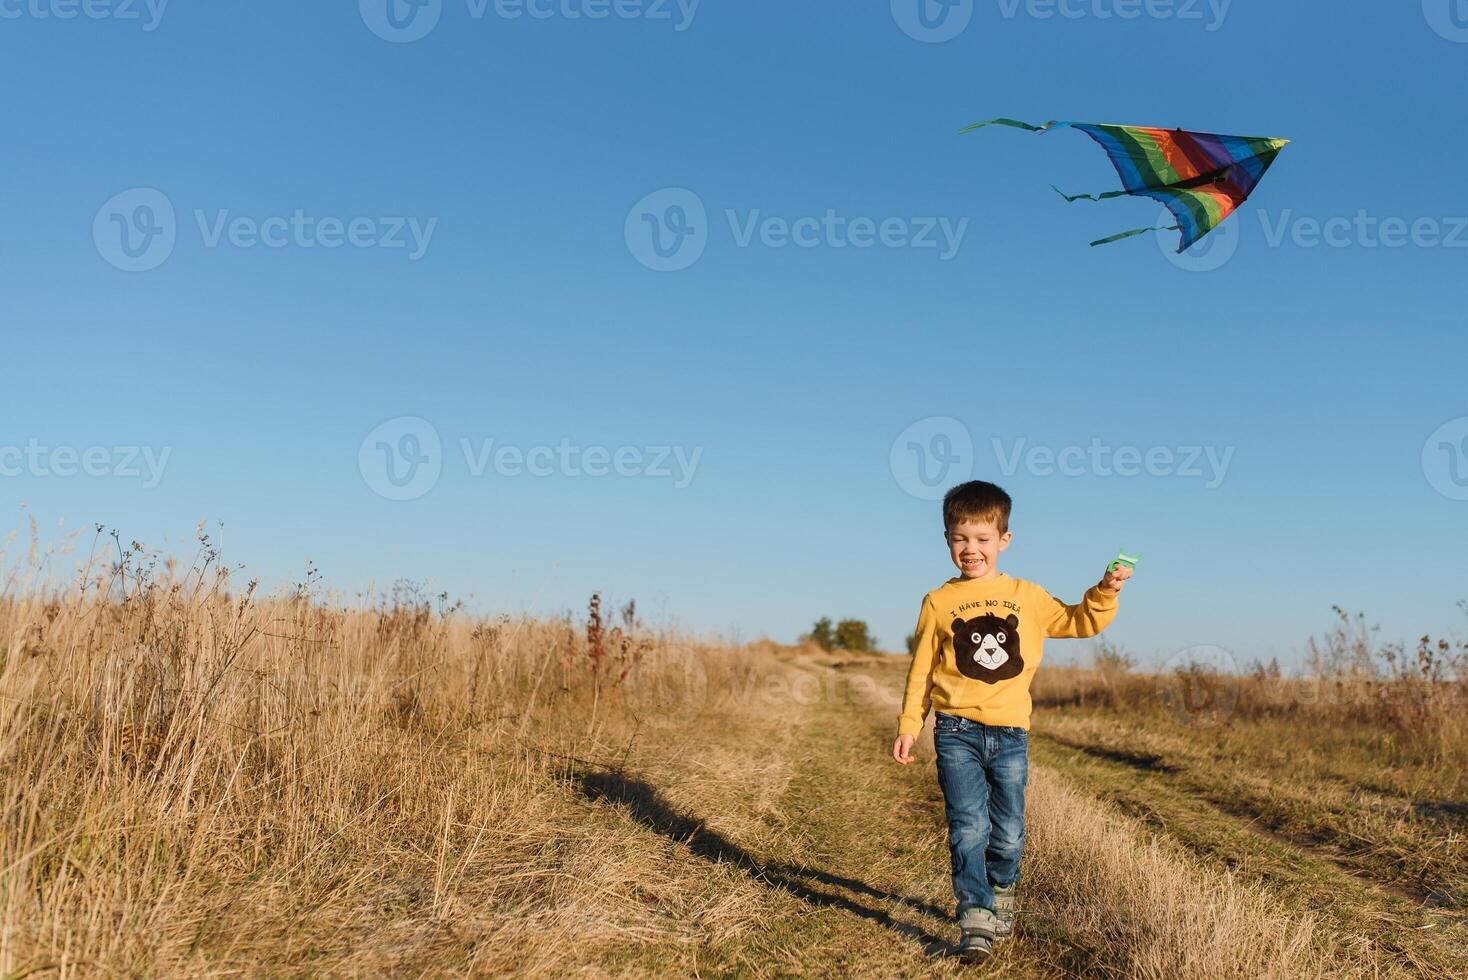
[[201, 782]]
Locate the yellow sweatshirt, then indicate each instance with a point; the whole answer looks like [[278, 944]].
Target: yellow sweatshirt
[[979, 642]]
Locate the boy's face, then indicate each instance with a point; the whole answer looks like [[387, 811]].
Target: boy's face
[[974, 547]]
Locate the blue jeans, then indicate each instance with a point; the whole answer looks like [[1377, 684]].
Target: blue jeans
[[983, 770]]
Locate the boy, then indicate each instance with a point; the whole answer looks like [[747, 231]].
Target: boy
[[979, 639]]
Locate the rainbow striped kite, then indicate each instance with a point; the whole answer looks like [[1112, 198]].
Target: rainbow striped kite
[[1201, 178]]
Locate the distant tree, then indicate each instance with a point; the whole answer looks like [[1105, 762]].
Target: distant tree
[[851, 634], [822, 635], [912, 642]]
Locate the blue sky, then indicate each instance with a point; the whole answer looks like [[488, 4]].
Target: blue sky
[[366, 228]]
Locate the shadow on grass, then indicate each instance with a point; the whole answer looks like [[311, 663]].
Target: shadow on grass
[[648, 808], [1447, 811], [1142, 761]]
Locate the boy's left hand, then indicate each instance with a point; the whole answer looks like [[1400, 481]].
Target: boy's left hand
[[1115, 577]]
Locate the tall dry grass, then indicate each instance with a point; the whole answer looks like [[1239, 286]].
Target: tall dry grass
[[195, 779], [1410, 702]]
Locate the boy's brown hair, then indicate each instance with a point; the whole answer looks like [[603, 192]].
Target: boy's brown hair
[[976, 500]]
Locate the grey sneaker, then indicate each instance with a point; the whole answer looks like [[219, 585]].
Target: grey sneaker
[[976, 934], [1004, 910]]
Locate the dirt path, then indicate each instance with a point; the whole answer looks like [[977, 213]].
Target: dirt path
[[828, 858], [800, 850]]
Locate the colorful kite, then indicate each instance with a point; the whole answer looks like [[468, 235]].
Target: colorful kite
[[1201, 178]]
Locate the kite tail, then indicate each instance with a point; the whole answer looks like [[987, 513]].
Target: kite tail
[[1132, 233], [1089, 197], [1014, 123]]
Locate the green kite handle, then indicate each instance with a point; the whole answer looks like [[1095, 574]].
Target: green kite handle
[[1122, 558]]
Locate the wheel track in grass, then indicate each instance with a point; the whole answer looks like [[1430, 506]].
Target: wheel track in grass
[[1229, 831], [1317, 816]]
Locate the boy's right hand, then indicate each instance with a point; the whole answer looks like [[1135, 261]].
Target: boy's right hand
[[902, 749]]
